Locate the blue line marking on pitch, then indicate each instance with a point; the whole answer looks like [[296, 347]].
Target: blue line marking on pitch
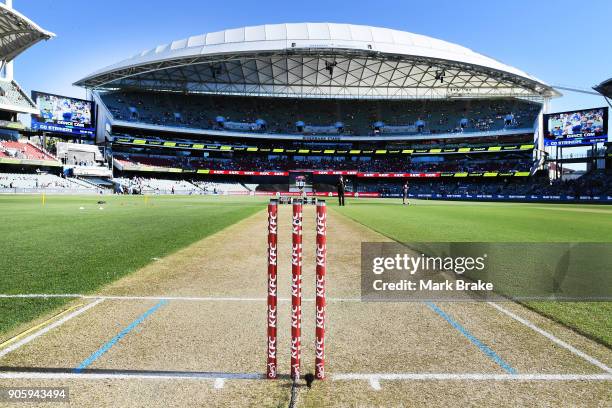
[[483, 347], [89, 360]]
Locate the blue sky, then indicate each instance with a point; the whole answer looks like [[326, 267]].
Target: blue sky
[[556, 41]]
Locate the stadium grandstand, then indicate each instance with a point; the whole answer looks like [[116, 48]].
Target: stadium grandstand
[[251, 110], [25, 165], [17, 34], [268, 104], [175, 231]]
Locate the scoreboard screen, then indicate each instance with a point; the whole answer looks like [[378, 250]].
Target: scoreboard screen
[[576, 128], [62, 114]]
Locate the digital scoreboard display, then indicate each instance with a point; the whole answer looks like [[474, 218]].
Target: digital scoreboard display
[[576, 128], [62, 114]]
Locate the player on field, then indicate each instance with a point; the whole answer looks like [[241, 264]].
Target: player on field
[[405, 189], [341, 187]]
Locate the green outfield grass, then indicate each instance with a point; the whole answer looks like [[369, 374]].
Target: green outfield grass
[[61, 248], [443, 221]]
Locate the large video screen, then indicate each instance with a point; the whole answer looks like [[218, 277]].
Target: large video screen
[[62, 114], [575, 128]]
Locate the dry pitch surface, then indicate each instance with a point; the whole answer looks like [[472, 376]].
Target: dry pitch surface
[[205, 345]]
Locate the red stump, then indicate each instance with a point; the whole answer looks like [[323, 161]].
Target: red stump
[[296, 289], [320, 290], [272, 287]]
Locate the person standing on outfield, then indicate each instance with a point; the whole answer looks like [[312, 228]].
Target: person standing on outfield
[[405, 193], [340, 187]]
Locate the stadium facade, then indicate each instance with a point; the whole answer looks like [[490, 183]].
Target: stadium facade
[[269, 104], [17, 34]]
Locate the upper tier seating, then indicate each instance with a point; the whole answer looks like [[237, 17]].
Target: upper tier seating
[[12, 95], [281, 115]]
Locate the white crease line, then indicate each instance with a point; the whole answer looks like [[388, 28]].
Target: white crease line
[[48, 328], [173, 298], [552, 338], [375, 378], [219, 378]]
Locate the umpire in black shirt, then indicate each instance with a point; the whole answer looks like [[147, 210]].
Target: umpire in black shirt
[[341, 188]]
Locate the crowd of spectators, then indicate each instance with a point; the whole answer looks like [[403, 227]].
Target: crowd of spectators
[[281, 115], [392, 164], [594, 183], [597, 182]]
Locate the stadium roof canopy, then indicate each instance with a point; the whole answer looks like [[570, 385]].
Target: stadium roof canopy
[[319, 60], [605, 88], [17, 33]]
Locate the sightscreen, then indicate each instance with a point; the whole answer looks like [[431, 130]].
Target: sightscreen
[[62, 114], [575, 128]]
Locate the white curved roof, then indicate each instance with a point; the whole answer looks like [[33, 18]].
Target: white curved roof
[[18, 33], [324, 37]]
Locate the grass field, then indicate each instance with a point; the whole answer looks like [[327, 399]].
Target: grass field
[[61, 248], [435, 221], [71, 246], [444, 221], [178, 315]]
